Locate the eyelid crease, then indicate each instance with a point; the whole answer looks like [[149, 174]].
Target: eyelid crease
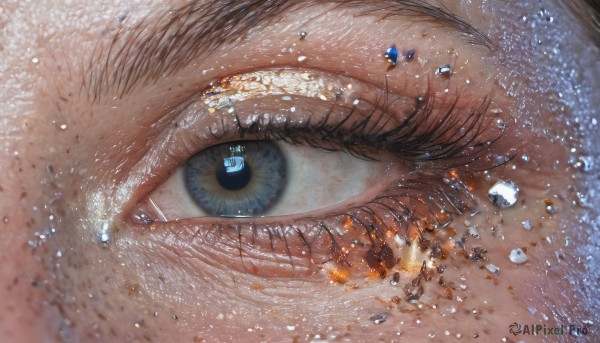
[[161, 44], [452, 137]]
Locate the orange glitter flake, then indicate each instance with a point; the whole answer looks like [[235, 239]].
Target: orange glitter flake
[[339, 275], [348, 223], [413, 233]]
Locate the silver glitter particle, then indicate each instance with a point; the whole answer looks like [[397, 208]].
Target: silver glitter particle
[[527, 225], [379, 318], [503, 194], [142, 218], [444, 70], [492, 269], [517, 256], [104, 233], [473, 232]]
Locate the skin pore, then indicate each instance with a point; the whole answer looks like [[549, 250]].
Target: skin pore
[[99, 113]]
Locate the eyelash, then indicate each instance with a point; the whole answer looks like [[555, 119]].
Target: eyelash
[[446, 143], [438, 145]]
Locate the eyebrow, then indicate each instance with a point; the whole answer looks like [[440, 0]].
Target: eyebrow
[[163, 44], [588, 11]]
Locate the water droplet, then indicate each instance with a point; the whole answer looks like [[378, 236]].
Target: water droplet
[[517, 256], [500, 124], [503, 194]]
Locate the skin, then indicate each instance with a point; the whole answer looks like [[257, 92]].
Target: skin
[[74, 165]]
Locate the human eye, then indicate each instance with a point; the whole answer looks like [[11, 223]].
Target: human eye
[[325, 172]]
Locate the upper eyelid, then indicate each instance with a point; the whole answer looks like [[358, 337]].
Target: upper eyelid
[[164, 44]]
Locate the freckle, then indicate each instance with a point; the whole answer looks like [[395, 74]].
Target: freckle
[[133, 289]]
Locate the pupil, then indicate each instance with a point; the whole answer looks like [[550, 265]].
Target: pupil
[[234, 174]]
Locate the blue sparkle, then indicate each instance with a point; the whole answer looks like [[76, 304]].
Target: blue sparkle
[[392, 55]]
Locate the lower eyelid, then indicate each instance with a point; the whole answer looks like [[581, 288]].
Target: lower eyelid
[[418, 207]]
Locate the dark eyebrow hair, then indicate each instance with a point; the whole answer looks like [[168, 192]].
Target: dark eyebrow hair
[[164, 44], [589, 12]]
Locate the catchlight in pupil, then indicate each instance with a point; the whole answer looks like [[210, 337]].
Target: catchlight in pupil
[[234, 174], [238, 179]]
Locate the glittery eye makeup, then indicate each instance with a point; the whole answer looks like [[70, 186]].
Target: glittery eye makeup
[[417, 155]]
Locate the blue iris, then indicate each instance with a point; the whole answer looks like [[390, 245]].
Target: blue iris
[[238, 179]]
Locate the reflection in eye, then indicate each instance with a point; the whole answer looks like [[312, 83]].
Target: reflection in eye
[[427, 149], [263, 178], [236, 179]]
